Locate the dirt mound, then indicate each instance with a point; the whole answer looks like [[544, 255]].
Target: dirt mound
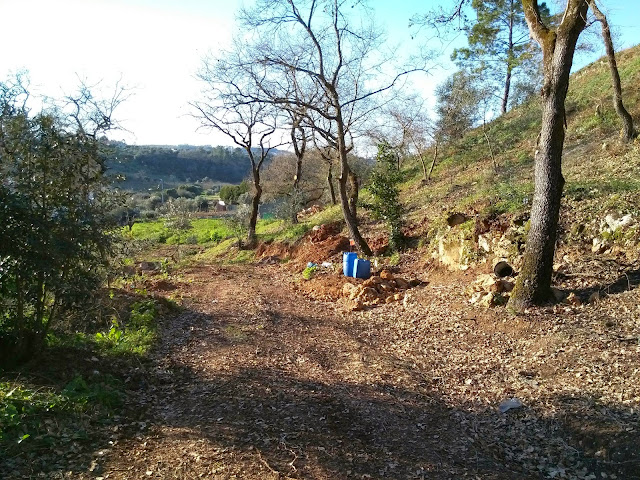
[[326, 286], [327, 250], [323, 232], [379, 244], [274, 249]]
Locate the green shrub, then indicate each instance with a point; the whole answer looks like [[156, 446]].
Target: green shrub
[[309, 272], [385, 194], [136, 336]]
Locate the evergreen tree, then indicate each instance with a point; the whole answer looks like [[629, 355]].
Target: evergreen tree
[[499, 43]]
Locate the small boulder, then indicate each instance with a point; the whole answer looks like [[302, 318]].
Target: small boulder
[[385, 287], [386, 275], [456, 219], [487, 300], [368, 294], [573, 299], [502, 286], [348, 289]]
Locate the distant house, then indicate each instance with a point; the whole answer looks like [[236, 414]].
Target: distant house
[[221, 206]]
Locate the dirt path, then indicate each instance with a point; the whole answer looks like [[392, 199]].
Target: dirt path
[[254, 380]]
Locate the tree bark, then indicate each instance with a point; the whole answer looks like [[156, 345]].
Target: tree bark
[[507, 88], [354, 189], [252, 239], [332, 190], [296, 192], [349, 214], [299, 148], [507, 80], [433, 163], [533, 285], [628, 132]]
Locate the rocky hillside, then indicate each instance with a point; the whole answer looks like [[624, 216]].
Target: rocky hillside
[[488, 181]]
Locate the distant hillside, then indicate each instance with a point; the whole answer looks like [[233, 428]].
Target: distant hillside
[[143, 167]]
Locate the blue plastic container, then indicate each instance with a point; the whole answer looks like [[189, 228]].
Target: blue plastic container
[[348, 258], [361, 268]]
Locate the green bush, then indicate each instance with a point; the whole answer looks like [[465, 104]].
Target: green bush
[[54, 212], [136, 336]]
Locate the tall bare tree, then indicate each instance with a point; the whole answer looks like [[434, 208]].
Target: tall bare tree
[[251, 126], [327, 47], [628, 132], [299, 138]]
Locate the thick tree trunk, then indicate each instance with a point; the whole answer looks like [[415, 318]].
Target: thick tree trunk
[[534, 282], [352, 226], [349, 215], [252, 239], [332, 190], [533, 285], [354, 190], [628, 132]]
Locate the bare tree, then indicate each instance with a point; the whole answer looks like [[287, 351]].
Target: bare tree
[[328, 48], [628, 132], [408, 130], [89, 113], [251, 126], [328, 156], [299, 139]]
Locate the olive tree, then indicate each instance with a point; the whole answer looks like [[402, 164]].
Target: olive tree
[[250, 125]]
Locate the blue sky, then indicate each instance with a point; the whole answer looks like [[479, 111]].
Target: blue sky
[[156, 46]]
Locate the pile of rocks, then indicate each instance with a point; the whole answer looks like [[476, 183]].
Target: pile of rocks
[[489, 290], [380, 288]]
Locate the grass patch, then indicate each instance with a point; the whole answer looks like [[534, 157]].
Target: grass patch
[[202, 231], [35, 414], [136, 336]]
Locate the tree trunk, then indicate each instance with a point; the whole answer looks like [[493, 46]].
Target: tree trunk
[[628, 132], [533, 285], [349, 214], [353, 194], [507, 88], [352, 226], [507, 80], [332, 190], [433, 163], [295, 200], [252, 239]]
